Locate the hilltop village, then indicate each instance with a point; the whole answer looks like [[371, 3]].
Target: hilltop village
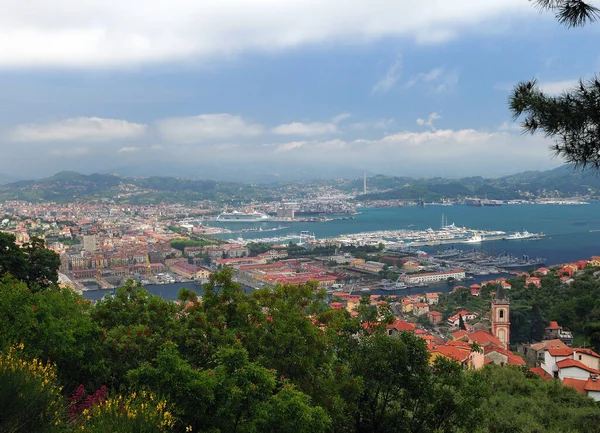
[[474, 339]]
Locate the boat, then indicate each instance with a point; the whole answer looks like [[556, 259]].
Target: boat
[[242, 217], [522, 235], [444, 254], [400, 285], [525, 262], [475, 239]]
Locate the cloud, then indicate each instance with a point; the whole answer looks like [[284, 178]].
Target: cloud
[[341, 117], [129, 149], [286, 147], [311, 129], [435, 152], [79, 34], [299, 128], [377, 124], [78, 129], [206, 127], [388, 81], [429, 122], [557, 87], [438, 80]]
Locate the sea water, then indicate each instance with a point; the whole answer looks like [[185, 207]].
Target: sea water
[[569, 229]]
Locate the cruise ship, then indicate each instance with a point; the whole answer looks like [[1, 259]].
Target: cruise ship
[[242, 217]]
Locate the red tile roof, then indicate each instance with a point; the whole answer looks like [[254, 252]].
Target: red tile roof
[[459, 334], [484, 338], [566, 351], [553, 325], [571, 363], [402, 325], [511, 358], [458, 343], [588, 352], [455, 353], [593, 385], [540, 372], [548, 344], [577, 384]]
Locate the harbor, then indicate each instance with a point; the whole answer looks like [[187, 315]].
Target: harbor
[[393, 239]]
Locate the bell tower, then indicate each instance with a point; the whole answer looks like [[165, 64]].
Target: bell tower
[[500, 318]]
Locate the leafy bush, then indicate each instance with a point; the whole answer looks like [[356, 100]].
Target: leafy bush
[[30, 397]]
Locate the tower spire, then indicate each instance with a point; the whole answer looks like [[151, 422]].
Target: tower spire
[[501, 317]]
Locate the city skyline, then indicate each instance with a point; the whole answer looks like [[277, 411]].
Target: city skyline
[[402, 89]]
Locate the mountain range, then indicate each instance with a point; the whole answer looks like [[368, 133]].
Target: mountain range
[[71, 186]]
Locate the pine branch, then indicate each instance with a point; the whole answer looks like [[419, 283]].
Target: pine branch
[[571, 119], [572, 13]]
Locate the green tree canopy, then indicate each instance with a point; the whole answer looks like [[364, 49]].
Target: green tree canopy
[[31, 263]]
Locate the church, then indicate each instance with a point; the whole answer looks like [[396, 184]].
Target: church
[[495, 344]]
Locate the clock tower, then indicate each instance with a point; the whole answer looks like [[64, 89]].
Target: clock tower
[[500, 318]]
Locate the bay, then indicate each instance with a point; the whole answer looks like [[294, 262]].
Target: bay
[[567, 227]]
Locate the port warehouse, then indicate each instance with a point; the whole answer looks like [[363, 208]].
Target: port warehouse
[[457, 274]]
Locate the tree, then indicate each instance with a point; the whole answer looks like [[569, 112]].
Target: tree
[[53, 324], [461, 323], [572, 118], [31, 263], [400, 392]]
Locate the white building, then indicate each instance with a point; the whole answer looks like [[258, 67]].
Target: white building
[[553, 355], [90, 243], [435, 277], [454, 321], [568, 368]]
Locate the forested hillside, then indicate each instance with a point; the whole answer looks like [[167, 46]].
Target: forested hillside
[[70, 186], [560, 182]]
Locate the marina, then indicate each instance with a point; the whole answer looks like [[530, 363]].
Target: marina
[[569, 232], [393, 239]]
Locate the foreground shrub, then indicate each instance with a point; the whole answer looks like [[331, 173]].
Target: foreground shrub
[[30, 398], [133, 413]]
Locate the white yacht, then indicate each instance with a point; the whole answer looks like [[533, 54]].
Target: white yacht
[[475, 239], [522, 235]]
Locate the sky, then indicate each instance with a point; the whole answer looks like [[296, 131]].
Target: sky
[[197, 88]]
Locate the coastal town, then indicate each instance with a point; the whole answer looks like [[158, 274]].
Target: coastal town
[[300, 217], [102, 245]]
